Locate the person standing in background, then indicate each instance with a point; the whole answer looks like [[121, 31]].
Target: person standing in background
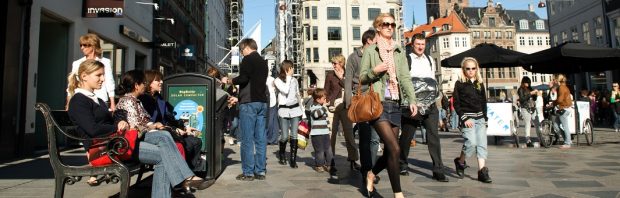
[[615, 101], [90, 45], [272, 121]]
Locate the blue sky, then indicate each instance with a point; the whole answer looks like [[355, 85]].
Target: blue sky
[[263, 10]]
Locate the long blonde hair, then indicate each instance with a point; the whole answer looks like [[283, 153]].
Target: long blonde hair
[[87, 67], [463, 77], [561, 78]]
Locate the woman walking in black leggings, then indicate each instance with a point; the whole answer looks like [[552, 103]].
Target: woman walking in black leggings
[[385, 66]]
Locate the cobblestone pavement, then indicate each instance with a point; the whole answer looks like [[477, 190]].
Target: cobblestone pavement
[[582, 171]]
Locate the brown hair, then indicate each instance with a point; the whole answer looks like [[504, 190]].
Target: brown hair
[[92, 40], [87, 67], [379, 19], [213, 73], [286, 65], [152, 75], [248, 42], [319, 93]]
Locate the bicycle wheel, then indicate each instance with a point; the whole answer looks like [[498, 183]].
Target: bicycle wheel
[[544, 135], [587, 131]]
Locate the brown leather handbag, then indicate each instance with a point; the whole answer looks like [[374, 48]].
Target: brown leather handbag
[[365, 107]]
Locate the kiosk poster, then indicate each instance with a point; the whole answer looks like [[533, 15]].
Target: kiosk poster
[[500, 116], [190, 103]]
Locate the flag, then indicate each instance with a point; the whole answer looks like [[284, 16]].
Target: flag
[[256, 35]]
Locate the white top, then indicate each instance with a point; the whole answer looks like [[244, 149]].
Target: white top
[[87, 93], [287, 95], [539, 108], [107, 89], [272, 91], [420, 66]]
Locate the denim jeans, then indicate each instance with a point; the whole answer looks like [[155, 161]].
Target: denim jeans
[[234, 128], [616, 120], [288, 127], [454, 120], [564, 121], [273, 126], [475, 139], [322, 151], [252, 118], [170, 168]]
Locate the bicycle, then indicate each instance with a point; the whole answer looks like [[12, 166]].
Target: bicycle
[[548, 136]]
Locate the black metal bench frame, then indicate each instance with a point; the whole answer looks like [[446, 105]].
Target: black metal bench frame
[[58, 121]]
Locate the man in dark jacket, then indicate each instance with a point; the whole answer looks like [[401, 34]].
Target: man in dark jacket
[[252, 111]]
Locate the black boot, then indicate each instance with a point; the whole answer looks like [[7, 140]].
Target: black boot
[[460, 168], [293, 158], [282, 153], [483, 175]]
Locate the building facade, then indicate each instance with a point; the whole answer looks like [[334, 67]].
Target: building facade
[[182, 23], [445, 36], [217, 29], [532, 35], [288, 40], [441, 8], [333, 27], [584, 21]]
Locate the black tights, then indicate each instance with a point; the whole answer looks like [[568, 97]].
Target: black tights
[[389, 159]]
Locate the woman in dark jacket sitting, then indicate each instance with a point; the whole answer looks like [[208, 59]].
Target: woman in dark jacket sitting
[[161, 111]]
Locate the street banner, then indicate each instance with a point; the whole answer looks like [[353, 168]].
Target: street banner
[[500, 116]]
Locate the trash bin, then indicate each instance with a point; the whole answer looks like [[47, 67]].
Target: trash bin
[[193, 98]]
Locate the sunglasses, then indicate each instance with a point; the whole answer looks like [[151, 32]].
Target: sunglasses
[[470, 68], [387, 24], [85, 45]]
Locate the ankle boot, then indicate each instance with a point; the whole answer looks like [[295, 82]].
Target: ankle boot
[[282, 153], [483, 175], [293, 158]]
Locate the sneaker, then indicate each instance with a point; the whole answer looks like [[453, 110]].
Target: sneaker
[[483, 175], [260, 177], [242, 177], [565, 146], [460, 168]]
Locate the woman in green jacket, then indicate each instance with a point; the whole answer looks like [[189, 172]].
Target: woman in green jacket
[[384, 65]]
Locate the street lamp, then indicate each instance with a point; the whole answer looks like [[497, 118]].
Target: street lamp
[[155, 5], [166, 19], [541, 4]]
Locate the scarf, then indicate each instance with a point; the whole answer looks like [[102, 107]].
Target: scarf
[[386, 53]]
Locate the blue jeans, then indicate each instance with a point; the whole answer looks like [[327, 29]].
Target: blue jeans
[[234, 128], [170, 168], [454, 118], [289, 126], [273, 125], [563, 120], [252, 117], [475, 139], [616, 120]]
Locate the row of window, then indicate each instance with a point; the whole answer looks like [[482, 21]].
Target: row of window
[[524, 24], [501, 72], [312, 54], [333, 13], [530, 40], [534, 77], [585, 33], [458, 42], [333, 33], [487, 34]]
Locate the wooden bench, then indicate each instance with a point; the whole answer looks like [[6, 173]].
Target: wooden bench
[[58, 121]]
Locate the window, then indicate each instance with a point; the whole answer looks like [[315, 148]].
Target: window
[[509, 35], [540, 25], [476, 34], [308, 58], [457, 42], [512, 72], [547, 40], [543, 78], [598, 25], [555, 39], [539, 41], [523, 24], [307, 31], [446, 43], [356, 33], [616, 26], [316, 54], [487, 34], [333, 13], [315, 33], [498, 35], [530, 40], [333, 52], [307, 12], [314, 12], [333, 33], [521, 40], [574, 33], [564, 36], [534, 78], [510, 47], [373, 13], [500, 73], [464, 41], [355, 12], [433, 48], [585, 27], [491, 21], [489, 72], [392, 12]]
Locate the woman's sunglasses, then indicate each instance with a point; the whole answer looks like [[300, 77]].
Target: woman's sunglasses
[[85, 45], [470, 68], [386, 24]]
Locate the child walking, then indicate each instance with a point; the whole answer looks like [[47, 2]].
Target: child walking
[[319, 133]]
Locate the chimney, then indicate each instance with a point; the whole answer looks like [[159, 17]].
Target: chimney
[[531, 7], [431, 19]]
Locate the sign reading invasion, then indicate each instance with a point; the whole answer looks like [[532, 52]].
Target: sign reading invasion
[[103, 8]]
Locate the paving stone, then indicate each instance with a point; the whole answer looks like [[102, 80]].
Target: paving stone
[[550, 196], [594, 173], [616, 164], [603, 194], [577, 184]]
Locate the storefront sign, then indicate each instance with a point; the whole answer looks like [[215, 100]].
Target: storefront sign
[[103, 8], [133, 34], [187, 52]]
